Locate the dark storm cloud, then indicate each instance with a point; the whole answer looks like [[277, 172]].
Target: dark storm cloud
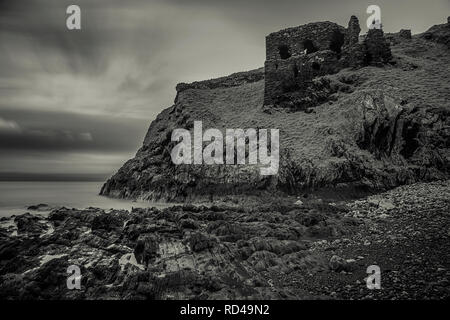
[[45, 140], [23, 163], [69, 132]]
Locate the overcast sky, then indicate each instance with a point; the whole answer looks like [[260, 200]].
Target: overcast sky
[[80, 102]]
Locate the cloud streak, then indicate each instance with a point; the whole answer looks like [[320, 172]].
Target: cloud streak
[[42, 131]]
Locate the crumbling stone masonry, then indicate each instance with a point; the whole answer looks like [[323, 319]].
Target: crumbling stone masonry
[[304, 39], [378, 51], [406, 34], [296, 56]]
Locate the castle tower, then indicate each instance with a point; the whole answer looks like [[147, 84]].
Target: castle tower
[[353, 31], [378, 51]]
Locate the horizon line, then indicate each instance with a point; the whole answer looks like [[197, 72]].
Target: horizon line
[[52, 177]]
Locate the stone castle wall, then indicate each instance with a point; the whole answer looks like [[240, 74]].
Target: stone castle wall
[[311, 37], [295, 73], [295, 56]]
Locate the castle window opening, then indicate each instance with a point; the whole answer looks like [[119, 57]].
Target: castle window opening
[[284, 52], [337, 41], [316, 66], [308, 45]]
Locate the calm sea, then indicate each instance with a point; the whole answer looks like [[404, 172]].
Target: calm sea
[[15, 197]]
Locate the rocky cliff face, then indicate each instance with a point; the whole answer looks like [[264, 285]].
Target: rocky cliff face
[[374, 127]]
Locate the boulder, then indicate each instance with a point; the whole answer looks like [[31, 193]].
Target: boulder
[[29, 224], [339, 264], [406, 34], [39, 207]]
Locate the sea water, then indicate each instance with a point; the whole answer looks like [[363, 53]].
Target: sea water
[[15, 197]]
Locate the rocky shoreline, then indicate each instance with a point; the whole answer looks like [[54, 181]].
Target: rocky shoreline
[[280, 249], [375, 126]]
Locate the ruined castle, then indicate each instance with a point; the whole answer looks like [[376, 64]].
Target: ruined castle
[[296, 56]]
